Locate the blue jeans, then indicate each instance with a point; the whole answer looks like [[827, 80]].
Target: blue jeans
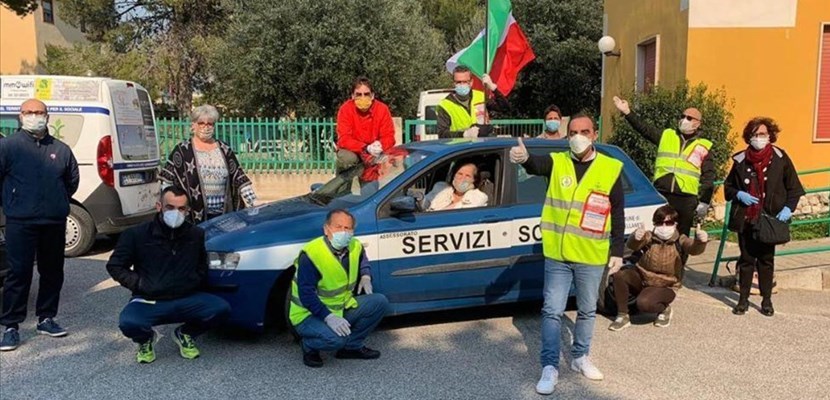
[[199, 312], [558, 279], [364, 319]]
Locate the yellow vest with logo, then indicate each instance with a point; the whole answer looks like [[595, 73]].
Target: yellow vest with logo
[[461, 118], [335, 287], [671, 159], [563, 237]]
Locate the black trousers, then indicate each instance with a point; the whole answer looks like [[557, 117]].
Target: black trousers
[[686, 207], [755, 254], [649, 299], [23, 242]]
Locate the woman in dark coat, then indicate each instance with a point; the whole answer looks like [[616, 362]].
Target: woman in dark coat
[[763, 179]]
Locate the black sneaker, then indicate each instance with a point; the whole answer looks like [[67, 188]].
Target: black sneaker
[[49, 327], [364, 353], [11, 339], [312, 359]]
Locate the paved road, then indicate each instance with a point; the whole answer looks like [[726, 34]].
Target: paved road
[[707, 353]]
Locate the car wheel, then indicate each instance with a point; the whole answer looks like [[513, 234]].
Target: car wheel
[[80, 232]]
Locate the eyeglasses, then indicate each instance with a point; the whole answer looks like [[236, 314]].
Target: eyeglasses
[[665, 223], [462, 82], [35, 112], [363, 94], [203, 123], [688, 117]]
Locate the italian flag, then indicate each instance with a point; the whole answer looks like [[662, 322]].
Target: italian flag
[[509, 50]]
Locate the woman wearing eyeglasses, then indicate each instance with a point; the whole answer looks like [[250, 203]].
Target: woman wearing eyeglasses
[[207, 170], [658, 259], [762, 181]]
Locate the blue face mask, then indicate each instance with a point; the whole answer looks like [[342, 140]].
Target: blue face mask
[[552, 125], [339, 240], [462, 90]]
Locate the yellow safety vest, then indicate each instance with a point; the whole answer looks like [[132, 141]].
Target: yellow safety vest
[[671, 159], [565, 235], [335, 287], [461, 118]]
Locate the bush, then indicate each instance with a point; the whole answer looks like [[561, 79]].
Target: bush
[[661, 107]]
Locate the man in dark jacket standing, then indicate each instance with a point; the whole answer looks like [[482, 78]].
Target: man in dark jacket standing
[[38, 175], [169, 269]]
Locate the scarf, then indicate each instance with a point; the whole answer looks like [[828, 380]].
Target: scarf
[[759, 160]]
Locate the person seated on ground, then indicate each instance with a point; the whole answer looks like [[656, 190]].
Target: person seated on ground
[[463, 193], [658, 261]]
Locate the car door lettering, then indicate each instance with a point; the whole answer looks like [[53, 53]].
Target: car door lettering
[[447, 242]]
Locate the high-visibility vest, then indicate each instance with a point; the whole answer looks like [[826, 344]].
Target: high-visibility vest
[[463, 118], [335, 287], [572, 230], [672, 159]]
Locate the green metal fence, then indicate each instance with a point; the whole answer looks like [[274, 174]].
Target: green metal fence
[[416, 129], [723, 231]]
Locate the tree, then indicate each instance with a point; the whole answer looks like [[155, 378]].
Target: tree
[[284, 56], [454, 18], [20, 7], [661, 107]]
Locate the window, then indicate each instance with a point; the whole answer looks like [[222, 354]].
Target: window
[[822, 132], [48, 12], [646, 65]]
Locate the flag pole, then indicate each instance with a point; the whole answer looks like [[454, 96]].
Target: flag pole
[[486, 56]]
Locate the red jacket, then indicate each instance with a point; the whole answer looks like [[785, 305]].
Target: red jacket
[[356, 130]]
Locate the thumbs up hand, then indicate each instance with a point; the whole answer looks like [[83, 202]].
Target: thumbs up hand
[[519, 154], [701, 235]]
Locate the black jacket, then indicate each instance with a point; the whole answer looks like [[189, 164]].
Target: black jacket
[[783, 188], [167, 263], [38, 178]]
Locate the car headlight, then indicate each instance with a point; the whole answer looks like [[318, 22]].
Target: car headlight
[[226, 261]]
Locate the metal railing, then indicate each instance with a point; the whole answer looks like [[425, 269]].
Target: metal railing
[[417, 129], [724, 230]]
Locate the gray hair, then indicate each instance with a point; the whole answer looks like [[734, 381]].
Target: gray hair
[[205, 110]]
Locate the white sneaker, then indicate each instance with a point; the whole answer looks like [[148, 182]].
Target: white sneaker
[[548, 380], [584, 366]]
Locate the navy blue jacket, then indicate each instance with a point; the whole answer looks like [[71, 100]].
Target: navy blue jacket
[[38, 177]]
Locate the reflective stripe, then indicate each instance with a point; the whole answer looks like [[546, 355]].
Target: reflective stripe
[[332, 307], [563, 204], [550, 226], [678, 170], [331, 293], [670, 155]]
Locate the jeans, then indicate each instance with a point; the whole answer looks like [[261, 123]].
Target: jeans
[[316, 335], [199, 312], [558, 279]]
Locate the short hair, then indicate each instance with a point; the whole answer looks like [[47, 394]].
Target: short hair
[[336, 211], [362, 81], [664, 212], [755, 123], [476, 175], [205, 110], [552, 108], [460, 68], [582, 114], [177, 191]]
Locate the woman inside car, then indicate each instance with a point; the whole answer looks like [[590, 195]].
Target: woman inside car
[[462, 193]]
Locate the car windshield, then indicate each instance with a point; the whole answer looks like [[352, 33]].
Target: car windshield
[[357, 184]]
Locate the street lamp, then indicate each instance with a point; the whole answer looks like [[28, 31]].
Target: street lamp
[[606, 45]]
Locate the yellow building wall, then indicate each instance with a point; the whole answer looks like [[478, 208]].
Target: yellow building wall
[[18, 43], [630, 22]]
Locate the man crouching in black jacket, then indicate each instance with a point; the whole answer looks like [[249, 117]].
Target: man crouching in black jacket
[[169, 267]]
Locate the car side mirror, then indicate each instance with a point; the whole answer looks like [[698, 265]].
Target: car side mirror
[[315, 186], [403, 205]]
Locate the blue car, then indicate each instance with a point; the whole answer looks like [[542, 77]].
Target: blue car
[[421, 261]]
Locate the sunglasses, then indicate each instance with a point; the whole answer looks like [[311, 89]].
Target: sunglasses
[[687, 117], [665, 223]]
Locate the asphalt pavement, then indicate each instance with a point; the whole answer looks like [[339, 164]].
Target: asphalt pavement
[[706, 353]]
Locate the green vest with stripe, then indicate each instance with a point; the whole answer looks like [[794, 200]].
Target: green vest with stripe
[[462, 118], [335, 287], [563, 237], [672, 159]]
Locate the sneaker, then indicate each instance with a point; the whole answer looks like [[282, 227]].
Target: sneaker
[[187, 347], [146, 351], [621, 322], [11, 339], [49, 327], [664, 318], [364, 353], [312, 359], [550, 376], [584, 366]]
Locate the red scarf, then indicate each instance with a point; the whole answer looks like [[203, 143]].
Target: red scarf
[[759, 159]]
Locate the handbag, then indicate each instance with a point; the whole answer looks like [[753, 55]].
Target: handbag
[[770, 230]]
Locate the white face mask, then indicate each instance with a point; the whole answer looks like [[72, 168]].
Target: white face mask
[[686, 127], [462, 186], [759, 143], [664, 232], [33, 123], [173, 218], [579, 144]]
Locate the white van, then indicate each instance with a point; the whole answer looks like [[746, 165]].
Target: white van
[[427, 111], [110, 127]]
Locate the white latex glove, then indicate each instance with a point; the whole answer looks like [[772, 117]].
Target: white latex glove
[[519, 154], [639, 234], [622, 105], [614, 265], [702, 210], [701, 235], [375, 148], [339, 325], [365, 285], [471, 132], [487, 81]]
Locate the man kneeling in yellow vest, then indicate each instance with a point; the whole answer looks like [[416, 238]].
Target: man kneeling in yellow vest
[[324, 311]]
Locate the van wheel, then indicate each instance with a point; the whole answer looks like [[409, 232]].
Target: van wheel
[[80, 232]]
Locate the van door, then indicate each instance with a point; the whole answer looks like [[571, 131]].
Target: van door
[[133, 149]]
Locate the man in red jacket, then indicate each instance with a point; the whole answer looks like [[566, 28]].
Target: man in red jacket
[[364, 132]]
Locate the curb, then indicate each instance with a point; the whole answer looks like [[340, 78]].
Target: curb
[[813, 278]]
